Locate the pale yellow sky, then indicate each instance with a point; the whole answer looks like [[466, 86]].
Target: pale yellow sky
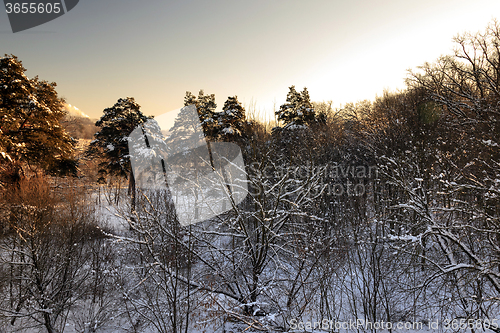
[[342, 51]]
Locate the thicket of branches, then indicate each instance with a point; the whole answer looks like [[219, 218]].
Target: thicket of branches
[[385, 210]]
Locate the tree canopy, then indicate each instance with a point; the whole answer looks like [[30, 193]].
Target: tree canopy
[[205, 106], [115, 125], [298, 109], [30, 130]]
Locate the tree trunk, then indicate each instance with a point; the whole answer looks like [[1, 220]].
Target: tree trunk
[[131, 191]]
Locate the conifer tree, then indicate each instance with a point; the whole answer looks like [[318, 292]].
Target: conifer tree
[[232, 120], [30, 131], [205, 106], [298, 109], [115, 126]]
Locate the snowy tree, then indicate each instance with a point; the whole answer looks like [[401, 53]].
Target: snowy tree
[[228, 125], [160, 293], [205, 106], [466, 87], [30, 131], [231, 121], [447, 176], [115, 126], [185, 134], [298, 109], [238, 254], [46, 255]]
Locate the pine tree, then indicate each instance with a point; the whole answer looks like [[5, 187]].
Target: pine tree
[[231, 121], [298, 109], [30, 131], [115, 126], [186, 133], [205, 106]]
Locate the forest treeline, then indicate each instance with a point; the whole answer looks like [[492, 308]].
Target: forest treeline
[[384, 210]]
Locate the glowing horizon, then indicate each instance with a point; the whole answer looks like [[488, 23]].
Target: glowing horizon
[[156, 51]]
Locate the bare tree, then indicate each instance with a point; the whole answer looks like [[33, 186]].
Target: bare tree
[[45, 254]]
